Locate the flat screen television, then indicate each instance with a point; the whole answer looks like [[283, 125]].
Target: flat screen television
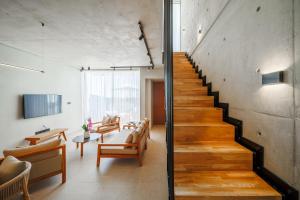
[[37, 105]]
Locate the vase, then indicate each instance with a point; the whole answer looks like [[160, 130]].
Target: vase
[[86, 134]]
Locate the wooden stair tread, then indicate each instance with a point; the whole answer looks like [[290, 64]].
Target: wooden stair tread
[[196, 108], [194, 97], [211, 147], [202, 124], [223, 184]]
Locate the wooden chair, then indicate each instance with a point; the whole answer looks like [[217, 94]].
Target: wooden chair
[[17, 185], [107, 128], [47, 159]]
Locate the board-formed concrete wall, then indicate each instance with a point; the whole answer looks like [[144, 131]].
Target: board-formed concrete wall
[[236, 38]]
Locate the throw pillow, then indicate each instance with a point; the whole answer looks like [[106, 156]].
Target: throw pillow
[[129, 140], [106, 120], [10, 168], [113, 119]]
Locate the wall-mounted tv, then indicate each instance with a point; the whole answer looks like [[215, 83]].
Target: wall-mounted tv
[[37, 105]]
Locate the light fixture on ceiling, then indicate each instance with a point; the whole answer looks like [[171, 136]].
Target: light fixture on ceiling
[[22, 68], [272, 78]]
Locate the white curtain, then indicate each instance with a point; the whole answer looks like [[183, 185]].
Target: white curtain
[[111, 92]]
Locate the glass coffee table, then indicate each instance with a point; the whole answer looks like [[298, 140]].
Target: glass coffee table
[[81, 140]]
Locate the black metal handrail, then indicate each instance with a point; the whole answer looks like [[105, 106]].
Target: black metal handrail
[[143, 36], [168, 62]]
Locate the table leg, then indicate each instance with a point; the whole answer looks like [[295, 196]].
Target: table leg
[[101, 138], [64, 135], [77, 145], [81, 149]]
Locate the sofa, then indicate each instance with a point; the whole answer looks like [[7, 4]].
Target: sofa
[[107, 125], [129, 143], [47, 158]]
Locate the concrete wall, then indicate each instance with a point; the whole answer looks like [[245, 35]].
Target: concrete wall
[[14, 83], [146, 78], [297, 87], [237, 37]]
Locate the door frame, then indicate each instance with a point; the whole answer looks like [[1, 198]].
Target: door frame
[[152, 95]]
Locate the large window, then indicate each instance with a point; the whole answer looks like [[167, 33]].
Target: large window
[[111, 92]]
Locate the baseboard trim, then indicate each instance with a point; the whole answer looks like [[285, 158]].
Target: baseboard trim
[[287, 191]]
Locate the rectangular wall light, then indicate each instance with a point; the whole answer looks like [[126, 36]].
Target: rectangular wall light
[[272, 78]]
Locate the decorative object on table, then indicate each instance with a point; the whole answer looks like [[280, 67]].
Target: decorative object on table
[[90, 124], [86, 132]]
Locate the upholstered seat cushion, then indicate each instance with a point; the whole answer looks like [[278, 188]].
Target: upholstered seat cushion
[[10, 168], [118, 138]]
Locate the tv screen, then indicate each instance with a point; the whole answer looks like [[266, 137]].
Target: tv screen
[[37, 105]]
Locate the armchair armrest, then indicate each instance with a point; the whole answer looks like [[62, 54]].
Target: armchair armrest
[[122, 145], [61, 146], [1, 159]]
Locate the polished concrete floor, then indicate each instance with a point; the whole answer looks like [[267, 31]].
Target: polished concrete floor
[[115, 178]]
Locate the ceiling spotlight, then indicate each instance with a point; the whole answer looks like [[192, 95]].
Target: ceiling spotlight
[[81, 69], [141, 37], [89, 68]]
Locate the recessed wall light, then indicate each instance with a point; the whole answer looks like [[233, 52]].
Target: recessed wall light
[[272, 78]]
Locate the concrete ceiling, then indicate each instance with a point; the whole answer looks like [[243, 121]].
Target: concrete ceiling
[[96, 33]]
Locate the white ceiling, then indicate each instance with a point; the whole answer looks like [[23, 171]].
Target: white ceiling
[[96, 33]]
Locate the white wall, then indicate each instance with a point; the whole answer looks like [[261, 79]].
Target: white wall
[[146, 89], [14, 83], [241, 40]]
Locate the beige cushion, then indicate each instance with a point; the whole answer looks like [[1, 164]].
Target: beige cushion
[[129, 138], [10, 168], [118, 138], [106, 120], [45, 166], [113, 119], [17, 152]]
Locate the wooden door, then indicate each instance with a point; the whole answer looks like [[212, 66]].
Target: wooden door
[[158, 102]]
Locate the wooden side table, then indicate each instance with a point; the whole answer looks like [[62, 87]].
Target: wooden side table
[[34, 139]]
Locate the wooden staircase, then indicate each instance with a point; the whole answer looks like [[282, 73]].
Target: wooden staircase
[[208, 163]]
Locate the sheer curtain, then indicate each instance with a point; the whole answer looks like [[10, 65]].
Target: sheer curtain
[[111, 92]]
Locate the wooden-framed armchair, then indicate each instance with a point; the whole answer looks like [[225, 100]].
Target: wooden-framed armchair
[[47, 158], [103, 128]]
